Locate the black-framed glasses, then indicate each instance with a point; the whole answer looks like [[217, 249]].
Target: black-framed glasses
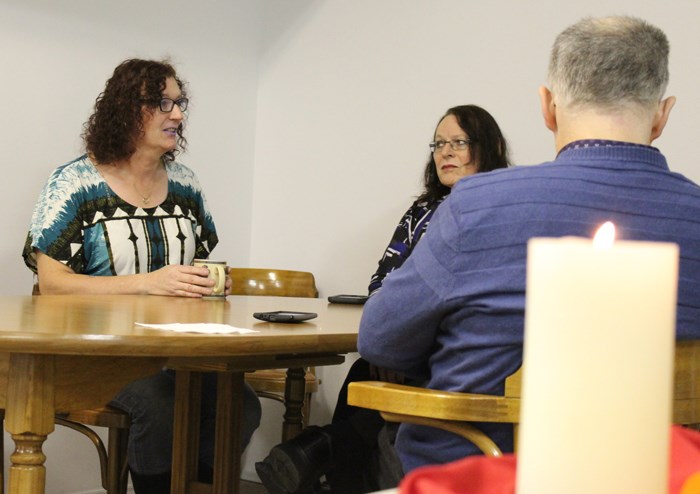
[[455, 144], [166, 105]]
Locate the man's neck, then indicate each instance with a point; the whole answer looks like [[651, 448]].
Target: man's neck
[[629, 126]]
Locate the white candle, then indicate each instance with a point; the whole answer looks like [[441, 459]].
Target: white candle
[[598, 362]]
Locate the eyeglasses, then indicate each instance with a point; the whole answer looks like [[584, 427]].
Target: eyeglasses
[[166, 105], [455, 144]]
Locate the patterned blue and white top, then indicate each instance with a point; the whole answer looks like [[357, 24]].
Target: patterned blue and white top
[[407, 234], [79, 221]]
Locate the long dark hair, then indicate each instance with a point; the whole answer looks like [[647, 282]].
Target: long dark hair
[[488, 148], [111, 132]]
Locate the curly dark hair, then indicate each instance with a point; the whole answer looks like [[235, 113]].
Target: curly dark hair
[[111, 132], [488, 147]]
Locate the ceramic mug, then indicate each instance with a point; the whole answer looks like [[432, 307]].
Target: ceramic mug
[[217, 272]]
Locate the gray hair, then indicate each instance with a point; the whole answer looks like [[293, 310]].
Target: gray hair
[[609, 62]]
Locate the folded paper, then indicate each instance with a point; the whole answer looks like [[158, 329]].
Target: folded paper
[[206, 328]]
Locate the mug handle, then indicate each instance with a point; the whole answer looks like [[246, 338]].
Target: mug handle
[[218, 273]]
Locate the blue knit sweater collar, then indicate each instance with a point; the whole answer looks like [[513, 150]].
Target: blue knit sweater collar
[[612, 150]]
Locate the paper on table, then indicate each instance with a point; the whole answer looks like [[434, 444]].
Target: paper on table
[[207, 328]]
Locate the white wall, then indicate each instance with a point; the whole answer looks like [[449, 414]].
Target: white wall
[[350, 93], [310, 118]]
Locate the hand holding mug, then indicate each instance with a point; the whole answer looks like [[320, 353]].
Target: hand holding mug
[[218, 273]]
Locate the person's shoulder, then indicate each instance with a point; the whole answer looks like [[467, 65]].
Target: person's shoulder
[[508, 186], [80, 165], [423, 205], [180, 172], [77, 171], [503, 176], [179, 168], [685, 181], [69, 181]]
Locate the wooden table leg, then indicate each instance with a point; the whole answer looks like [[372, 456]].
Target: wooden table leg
[[29, 420], [294, 394], [188, 390], [227, 445]]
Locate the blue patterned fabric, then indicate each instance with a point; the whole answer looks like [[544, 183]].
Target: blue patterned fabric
[[79, 221], [407, 234]]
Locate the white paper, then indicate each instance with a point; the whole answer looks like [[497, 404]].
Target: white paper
[[206, 328]]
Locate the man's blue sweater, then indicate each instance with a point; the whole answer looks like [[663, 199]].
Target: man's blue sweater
[[453, 314]]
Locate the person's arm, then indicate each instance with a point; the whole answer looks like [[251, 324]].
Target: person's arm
[[400, 322], [55, 278]]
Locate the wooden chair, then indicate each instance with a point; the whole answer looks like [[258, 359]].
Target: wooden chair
[[113, 461], [272, 282], [453, 411], [279, 283]]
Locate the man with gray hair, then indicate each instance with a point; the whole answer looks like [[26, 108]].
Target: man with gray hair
[[453, 314], [608, 77]]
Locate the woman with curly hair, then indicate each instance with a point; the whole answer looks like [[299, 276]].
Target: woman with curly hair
[[126, 218]]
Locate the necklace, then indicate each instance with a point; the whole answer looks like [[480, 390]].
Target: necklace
[[144, 199]]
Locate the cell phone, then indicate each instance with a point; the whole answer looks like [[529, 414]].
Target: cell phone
[[348, 299], [284, 316]]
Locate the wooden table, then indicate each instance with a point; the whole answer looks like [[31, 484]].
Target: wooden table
[[71, 352]]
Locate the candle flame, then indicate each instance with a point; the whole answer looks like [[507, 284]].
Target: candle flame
[[605, 236]]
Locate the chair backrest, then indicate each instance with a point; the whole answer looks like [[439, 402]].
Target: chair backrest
[[454, 411], [686, 383], [272, 282]]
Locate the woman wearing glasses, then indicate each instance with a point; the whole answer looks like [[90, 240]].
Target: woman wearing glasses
[[126, 218], [467, 140]]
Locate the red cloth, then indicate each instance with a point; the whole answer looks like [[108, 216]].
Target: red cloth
[[484, 475]]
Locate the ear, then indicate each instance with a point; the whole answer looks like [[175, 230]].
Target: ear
[[661, 117], [548, 108]]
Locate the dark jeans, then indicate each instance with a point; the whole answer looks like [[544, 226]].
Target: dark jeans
[[150, 402], [363, 456]]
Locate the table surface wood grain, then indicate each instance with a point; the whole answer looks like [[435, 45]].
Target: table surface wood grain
[[62, 352]]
